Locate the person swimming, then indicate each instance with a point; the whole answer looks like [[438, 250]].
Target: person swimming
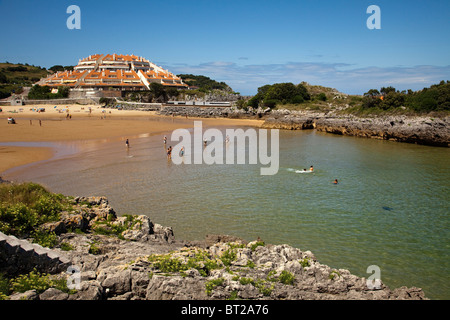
[[335, 181], [311, 169]]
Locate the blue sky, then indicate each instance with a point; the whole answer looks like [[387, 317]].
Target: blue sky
[[245, 43]]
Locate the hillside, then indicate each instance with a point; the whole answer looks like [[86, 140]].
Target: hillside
[[203, 83], [15, 76], [387, 100]]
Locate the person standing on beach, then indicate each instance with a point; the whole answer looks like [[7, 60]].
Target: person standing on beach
[[165, 140], [169, 153], [127, 143]]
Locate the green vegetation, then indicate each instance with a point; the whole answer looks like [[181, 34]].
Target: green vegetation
[[333, 274], [436, 98], [286, 277], [13, 77], [45, 92], [94, 249], [203, 83], [257, 244], [26, 206], [31, 281], [279, 93], [212, 284], [198, 259], [58, 67], [109, 229], [305, 262], [304, 96]]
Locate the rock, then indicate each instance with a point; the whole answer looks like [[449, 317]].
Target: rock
[[53, 294], [420, 130], [117, 283], [176, 288], [58, 227], [90, 290], [27, 295]]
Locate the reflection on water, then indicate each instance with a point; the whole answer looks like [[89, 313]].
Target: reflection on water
[[389, 209]]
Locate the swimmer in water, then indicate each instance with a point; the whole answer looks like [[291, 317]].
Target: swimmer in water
[[335, 181], [311, 169]]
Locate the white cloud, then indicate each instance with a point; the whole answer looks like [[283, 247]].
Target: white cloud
[[344, 77]]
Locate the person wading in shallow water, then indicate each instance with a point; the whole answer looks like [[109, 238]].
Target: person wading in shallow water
[[127, 143]]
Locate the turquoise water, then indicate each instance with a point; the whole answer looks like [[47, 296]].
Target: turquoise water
[[390, 208]]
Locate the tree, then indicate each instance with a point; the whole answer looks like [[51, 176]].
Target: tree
[[386, 91], [157, 89], [3, 78], [372, 93], [57, 68], [322, 96]]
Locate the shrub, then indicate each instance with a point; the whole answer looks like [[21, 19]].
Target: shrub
[[257, 244], [32, 281], [212, 284], [45, 239], [286, 277], [271, 103], [322, 97], [23, 207]]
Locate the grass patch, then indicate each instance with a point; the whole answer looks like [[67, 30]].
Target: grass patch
[[26, 206]]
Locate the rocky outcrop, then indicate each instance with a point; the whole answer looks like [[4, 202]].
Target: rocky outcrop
[[193, 111], [419, 130], [132, 258], [160, 271]]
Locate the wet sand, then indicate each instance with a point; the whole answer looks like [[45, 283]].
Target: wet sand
[[53, 125]]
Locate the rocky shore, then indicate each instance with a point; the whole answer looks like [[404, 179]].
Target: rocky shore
[[110, 257], [417, 129], [425, 130]]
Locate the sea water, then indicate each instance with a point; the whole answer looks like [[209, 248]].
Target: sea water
[[390, 207]]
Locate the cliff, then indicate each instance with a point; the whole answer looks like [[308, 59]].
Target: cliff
[[132, 258]]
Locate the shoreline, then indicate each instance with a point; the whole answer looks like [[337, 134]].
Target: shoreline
[[98, 124], [428, 130], [92, 122]]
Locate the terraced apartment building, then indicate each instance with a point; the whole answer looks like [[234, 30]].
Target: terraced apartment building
[[113, 72]]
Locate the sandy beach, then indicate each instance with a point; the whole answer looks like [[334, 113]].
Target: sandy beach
[[85, 122]]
